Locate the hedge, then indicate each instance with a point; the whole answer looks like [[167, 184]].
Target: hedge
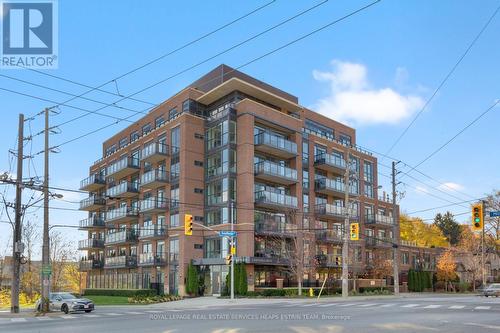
[[120, 292]]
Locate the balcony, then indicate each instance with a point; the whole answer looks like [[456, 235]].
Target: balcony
[[329, 211], [275, 145], [91, 222], [151, 259], [87, 265], [332, 187], [276, 201], [273, 172], [153, 205], [92, 203], [122, 214], [123, 167], [120, 262], [90, 243], [380, 220], [123, 191], [330, 163], [272, 227], [173, 258], [329, 236], [121, 237], [154, 152], [329, 260], [372, 241], [152, 231], [154, 179], [92, 183]]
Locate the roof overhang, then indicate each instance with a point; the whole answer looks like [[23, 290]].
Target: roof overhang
[[236, 84]]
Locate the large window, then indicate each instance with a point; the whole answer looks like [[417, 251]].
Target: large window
[[216, 247], [368, 171], [221, 190], [221, 162], [175, 139], [221, 134], [318, 129]]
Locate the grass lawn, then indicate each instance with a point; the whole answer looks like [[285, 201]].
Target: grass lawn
[[108, 300]]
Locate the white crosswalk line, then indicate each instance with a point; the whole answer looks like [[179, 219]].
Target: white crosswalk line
[[347, 304], [17, 320], [92, 316], [327, 305], [367, 305], [134, 313], [311, 304], [113, 314], [432, 306], [67, 317], [409, 305], [388, 305], [482, 307], [154, 311], [457, 307], [44, 318]]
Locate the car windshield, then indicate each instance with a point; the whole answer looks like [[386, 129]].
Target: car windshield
[[65, 295], [494, 286]]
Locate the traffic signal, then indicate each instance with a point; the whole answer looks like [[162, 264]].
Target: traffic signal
[[477, 217], [229, 259], [188, 224], [355, 231], [337, 261]]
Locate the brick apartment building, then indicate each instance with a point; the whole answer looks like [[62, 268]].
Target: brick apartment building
[[229, 140]]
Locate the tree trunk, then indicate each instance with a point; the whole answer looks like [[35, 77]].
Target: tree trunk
[[299, 285]]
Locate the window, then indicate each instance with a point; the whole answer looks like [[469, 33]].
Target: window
[[198, 163], [345, 139], [305, 153], [123, 142], [357, 254], [221, 162], [146, 129], [159, 121], [221, 134], [174, 220], [319, 130], [368, 189], [110, 150], [198, 190], [221, 190], [368, 171], [305, 180], [305, 199], [216, 247], [174, 193], [319, 150], [405, 258], [134, 136], [219, 216], [172, 113], [175, 139], [199, 136]]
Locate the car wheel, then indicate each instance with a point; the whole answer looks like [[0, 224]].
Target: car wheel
[[88, 311], [64, 308]]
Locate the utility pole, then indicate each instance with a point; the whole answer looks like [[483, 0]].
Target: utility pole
[[395, 261], [17, 245], [345, 245], [45, 246], [483, 266]]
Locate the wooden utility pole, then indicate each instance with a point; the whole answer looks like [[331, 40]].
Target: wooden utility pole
[[345, 245], [46, 271], [17, 247], [395, 245]]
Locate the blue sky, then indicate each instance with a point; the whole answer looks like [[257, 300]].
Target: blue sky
[[393, 55]]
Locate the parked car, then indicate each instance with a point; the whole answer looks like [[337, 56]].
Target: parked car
[[66, 302], [492, 290]]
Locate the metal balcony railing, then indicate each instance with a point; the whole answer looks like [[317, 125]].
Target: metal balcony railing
[[86, 265], [329, 235], [149, 258], [275, 141], [94, 179], [123, 163], [125, 187], [122, 236], [334, 211], [153, 203], [90, 243], [121, 212], [91, 222], [151, 231], [92, 201], [329, 260], [277, 199], [275, 169], [330, 160], [333, 185], [120, 261], [154, 148], [155, 175]]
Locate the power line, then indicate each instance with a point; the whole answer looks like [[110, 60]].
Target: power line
[[455, 136], [444, 206], [252, 61], [448, 75]]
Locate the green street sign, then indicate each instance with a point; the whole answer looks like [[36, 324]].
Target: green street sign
[[46, 270]]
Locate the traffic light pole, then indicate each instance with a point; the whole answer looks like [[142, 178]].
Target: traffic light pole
[[483, 267], [345, 245], [17, 245]]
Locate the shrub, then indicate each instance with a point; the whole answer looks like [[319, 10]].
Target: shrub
[[192, 280], [153, 299], [120, 292], [273, 292]]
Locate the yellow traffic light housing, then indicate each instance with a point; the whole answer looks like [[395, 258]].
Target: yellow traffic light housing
[[355, 231], [188, 224], [477, 217], [229, 259]]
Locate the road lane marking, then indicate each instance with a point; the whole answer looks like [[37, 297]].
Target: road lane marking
[[347, 304], [387, 305], [154, 311], [432, 306], [44, 318], [134, 313], [482, 307], [17, 320], [409, 305], [400, 327], [483, 325], [67, 317], [92, 316], [367, 305], [327, 305], [311, 304], [457, 307], [113, 314]]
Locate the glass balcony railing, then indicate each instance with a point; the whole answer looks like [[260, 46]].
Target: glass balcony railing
[[91, 222], [120, 189], [329, 260], [94, 180], [91, 202], [272, 226], [153, 203], [329, 235], [384, 219], [122, 212], [330, 160], [120, 261], [90, 243], [153, 230], [122, 236], [150, 258], [278, 199], [334, 211], [156, 175], [87, 265], [122, 164], [276, 142], [333, 185], [274, 169], [154, 148]]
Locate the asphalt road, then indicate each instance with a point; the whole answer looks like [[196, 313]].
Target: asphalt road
[[415, 314]]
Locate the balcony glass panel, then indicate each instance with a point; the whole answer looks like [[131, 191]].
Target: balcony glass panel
[[276, 198], [275, 141], [275, 169]]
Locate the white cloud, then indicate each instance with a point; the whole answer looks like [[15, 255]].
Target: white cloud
[[450, 186], [421, 189], [352, 100]]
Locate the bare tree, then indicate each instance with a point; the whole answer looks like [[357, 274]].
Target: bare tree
[[61, 252], [492, 224], [31, 236]]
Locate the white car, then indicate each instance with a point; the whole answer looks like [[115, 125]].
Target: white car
[[66, 302]]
